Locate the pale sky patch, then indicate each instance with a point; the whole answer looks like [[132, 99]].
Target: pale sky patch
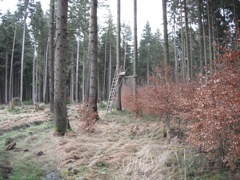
[[148, 10]]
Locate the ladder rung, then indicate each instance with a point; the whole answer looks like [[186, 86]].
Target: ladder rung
[[114, 89]]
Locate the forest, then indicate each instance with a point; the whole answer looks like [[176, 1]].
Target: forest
[[81, 99]]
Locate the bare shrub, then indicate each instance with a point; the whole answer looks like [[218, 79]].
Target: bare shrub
[[157, 98], [88, 116]]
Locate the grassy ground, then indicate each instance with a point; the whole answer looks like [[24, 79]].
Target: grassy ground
[[30, 131], [121, 147]]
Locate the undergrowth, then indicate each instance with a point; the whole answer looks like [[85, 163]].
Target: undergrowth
[[88, 116], [208, 104], [25, 163]]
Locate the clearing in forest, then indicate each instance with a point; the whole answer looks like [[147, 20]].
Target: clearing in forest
[[120, 147]]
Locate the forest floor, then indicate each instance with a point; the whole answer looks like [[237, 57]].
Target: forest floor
[[121, 147]]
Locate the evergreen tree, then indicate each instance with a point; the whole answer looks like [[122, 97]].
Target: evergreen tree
[[107, 54], [92, 56], [60, 109], [144, 54]]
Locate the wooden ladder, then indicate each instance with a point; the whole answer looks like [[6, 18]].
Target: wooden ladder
[[112, 94]]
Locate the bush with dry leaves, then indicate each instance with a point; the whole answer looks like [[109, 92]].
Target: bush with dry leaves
[[211, 105], [216, 111], [88, 116]]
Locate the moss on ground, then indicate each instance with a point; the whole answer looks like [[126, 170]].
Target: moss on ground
[[25, 161]]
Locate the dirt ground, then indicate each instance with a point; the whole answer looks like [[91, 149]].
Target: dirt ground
[[120, 147]]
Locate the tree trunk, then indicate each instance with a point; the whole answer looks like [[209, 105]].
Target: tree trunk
[[99, 96], [135, 62], [187, 41], [183, 59], [125, 57], [175, 52], [209, 35], [190, 53], [214, 37], [148, 56], [37, 81], [77, 70], [60, 109], [72, 86], [87, 79], [93, 56], [110, 69], [23, 48], [51, 55], [34, 76], [84, 79], [236, 21], [22, 61], [104, 73], [6, 78], [165, 29], [45, 74], [119, 103], [205, 51], [11, 66], [200, 24]]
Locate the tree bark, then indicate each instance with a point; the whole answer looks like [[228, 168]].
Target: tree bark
[[200, 24], [84, 79], [175, 52], [183, 59], [11, 66], [110, 68], [22, 61], [51, 55], [72, 86], [37, 80], [60, 109], [125, 56], [23, 48], [34, 76], [135, 62], [191, 52], [148, 68], [205, 51], [104, 72], [214, 37], [87, 78], [93, 56], [187, 41], [165, 29], [77, 70], [6, 77], [119, 104], [45, 74], [209, 35]]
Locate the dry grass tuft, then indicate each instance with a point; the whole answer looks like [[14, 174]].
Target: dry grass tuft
[[10, 120], [121, 147], [133, 150]]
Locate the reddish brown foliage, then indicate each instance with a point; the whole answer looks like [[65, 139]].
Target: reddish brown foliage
[[130, 102], [216, 108], [158, 98], [211, 105], [88, 116]]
